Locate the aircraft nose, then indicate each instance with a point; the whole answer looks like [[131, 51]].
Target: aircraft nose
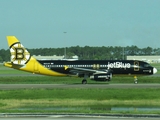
[[154, 70]]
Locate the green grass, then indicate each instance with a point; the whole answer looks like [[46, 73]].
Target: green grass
[[80, 93], [70, 80], [79, 100]]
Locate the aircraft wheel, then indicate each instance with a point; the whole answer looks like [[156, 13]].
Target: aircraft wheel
[[135, 80], [84, 81]]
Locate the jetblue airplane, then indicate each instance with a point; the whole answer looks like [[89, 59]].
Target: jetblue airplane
[[98, 70]]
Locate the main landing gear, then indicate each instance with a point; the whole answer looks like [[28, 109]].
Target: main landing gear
[[135, 80], [84, 81]]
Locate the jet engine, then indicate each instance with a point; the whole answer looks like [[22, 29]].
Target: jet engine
[[101, 77]]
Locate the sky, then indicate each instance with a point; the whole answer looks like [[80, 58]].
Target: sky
[[66, 23]]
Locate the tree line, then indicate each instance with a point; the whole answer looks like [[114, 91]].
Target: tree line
[[88, 52]]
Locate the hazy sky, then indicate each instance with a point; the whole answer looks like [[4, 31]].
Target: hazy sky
[[42, 23]]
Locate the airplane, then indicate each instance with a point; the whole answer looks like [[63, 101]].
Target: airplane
[[98, 70]]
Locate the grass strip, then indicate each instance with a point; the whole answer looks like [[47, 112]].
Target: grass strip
[[19, 79], [77, 100]]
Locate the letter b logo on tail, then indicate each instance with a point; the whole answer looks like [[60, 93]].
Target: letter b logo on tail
[[19, 55]]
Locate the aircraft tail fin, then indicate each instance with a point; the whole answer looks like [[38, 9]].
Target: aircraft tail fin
[[19, 54]]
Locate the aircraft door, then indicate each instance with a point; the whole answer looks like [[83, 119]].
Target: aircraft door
[[136, 66]]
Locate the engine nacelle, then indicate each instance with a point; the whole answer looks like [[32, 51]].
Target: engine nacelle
[[101, 77]]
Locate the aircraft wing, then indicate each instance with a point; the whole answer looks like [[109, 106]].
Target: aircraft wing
[[83, 70], [88, 71], [98, 75]]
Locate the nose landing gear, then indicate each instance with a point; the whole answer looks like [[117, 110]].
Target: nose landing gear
[[135, 80]]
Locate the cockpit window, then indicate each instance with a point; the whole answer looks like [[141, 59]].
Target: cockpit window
[[147, 65]]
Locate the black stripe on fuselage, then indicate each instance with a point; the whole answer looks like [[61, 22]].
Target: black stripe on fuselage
[[117, 66]]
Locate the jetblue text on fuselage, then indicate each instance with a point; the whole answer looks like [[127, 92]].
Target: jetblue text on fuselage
[[119, 65]]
